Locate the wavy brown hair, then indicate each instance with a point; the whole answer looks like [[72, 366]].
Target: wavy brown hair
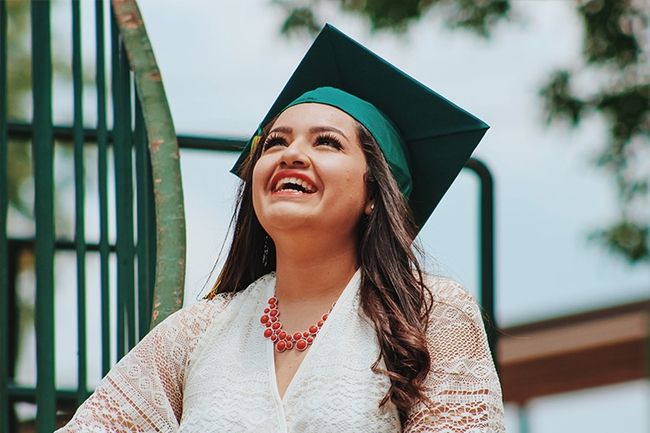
[[392, 289]]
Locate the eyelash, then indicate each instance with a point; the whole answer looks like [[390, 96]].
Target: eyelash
[[273, 140], [329, 140], [323, 139]]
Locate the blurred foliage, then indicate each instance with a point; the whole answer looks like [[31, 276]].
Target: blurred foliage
[[626, 238], [19, 78], [613, 82], [19, 100], [615, 68], [477, 16]]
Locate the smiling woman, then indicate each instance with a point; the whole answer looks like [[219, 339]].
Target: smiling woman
[[321, 319]]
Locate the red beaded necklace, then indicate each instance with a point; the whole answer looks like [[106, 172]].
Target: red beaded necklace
[[283, 340]]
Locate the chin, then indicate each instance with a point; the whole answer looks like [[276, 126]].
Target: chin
[[285, 219]]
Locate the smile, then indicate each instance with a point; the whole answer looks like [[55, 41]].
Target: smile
[[294, 184]]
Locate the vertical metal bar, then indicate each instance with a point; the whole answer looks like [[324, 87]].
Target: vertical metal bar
[[4, 247], [487, 250], [487, 258], [102, 176], [151, 233], [118, 139], [128, 204], [14, 252], [123, 193], [42, 154], [522, 418], [80, 215], [143, 175], [152, 238]]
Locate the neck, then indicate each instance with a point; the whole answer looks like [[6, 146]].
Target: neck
[[312, 270]]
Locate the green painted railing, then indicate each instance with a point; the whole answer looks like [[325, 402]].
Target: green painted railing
[[4, 204], [80, 215], [43, 166], [149, 215]]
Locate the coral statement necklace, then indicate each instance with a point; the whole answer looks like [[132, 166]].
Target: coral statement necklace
[[280, 338]]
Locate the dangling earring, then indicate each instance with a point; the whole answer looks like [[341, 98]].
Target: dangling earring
[[266, 251]]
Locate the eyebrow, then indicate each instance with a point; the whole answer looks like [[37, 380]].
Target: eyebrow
[[312, 130]]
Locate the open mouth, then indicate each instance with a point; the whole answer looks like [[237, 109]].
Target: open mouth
[[293, 184]]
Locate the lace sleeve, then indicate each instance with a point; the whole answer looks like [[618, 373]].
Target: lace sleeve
[[463, 387], [143, 392]]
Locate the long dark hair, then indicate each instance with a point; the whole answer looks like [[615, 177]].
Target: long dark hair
[[392, 290]]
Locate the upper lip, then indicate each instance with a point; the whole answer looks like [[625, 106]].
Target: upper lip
[[291, 173]]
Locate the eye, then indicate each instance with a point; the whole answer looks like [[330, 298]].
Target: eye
[[274, 140], [328, 140]]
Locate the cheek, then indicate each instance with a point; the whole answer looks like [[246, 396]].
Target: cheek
[[260, 174], [353, 185], [258, 182]]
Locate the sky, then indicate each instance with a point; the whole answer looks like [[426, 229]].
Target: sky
[[223, 64]]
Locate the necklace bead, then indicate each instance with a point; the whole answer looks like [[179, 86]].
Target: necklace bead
[[280, 338]]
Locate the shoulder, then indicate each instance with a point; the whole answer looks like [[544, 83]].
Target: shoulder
[[196, 318], [199, 312], [455, 330], [450, 300], [188, 324], [449, 292], [462, 385]]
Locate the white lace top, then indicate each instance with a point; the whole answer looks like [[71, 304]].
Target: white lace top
[[208, 368]]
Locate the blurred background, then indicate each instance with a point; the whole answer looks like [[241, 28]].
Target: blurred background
[[565, 86]]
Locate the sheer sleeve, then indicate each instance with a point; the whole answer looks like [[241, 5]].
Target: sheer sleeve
[[463, 387], [143, 392]]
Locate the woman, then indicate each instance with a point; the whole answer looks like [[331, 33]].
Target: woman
[[321, 319]]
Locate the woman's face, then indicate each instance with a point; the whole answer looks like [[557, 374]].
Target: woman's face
[[311, 173]]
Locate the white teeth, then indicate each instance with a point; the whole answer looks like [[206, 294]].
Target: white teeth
[[294, 180]]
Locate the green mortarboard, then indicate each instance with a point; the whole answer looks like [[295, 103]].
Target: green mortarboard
[[437, 137]]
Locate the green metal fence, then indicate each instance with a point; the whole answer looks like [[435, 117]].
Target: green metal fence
[[141, 144]]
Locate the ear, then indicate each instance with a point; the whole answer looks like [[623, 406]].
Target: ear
[[370, 206]]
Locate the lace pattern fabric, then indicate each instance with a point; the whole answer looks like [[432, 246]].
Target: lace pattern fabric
[[463, 388], [186, 376], [144, 391]]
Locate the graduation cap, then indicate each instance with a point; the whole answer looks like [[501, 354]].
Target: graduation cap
[[425, 138]]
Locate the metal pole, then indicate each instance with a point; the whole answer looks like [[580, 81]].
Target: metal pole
[[14, 253], [487, 249], [80, 215], [23, 131], [42, 155], [144, 226], [522, 417], [102, 181], [122, 151], [4, 206]]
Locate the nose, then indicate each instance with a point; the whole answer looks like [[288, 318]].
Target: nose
[[294, 155]]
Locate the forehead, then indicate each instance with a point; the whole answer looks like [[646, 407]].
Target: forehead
[[313, 114]]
